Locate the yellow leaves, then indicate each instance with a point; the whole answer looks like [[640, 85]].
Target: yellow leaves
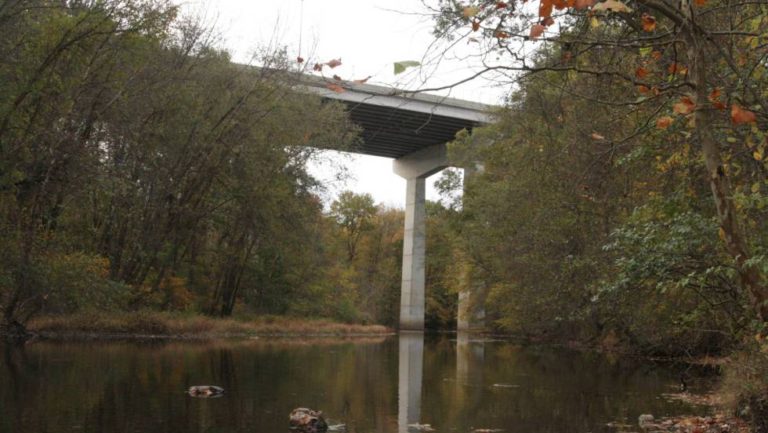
[[684, 106], [612, 6], [741, 115], [758, 155], [649, 22], [470, 11], [664, 122]]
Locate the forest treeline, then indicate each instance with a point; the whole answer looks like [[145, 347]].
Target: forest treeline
[[140, 169]]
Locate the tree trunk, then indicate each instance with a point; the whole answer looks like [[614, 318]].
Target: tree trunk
[[735, 243]]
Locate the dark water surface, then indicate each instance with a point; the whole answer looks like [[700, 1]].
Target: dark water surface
[[376, 385]]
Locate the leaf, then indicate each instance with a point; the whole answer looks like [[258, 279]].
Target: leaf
[[548, 21], [501, 5], [714, 95], [685, 106], [470, 11], [641, 72], [583, 4], [664, 122], [337, 78], [475, 25], [596, 136], [299, 59], [318, 67], [334, 63], [613, 6], [545, 8], [500, 34], [700, 2], [645, 51], [741, 115], [536, 31], [400, 67], [594, 22], [362, 80], [649, 22], [335, 87]]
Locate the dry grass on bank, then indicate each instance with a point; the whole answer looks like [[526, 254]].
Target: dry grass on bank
[[156, 324]]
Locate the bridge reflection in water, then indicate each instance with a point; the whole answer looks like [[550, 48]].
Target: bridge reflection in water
[[470, 355]]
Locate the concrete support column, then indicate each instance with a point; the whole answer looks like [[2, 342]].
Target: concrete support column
[[471, 314], [415, 168], [414, 255]]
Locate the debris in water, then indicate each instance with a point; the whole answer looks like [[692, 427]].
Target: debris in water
[[307, 420], [420, 427], [205, 391]]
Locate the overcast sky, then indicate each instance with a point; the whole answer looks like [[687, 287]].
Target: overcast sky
[[368, 36]]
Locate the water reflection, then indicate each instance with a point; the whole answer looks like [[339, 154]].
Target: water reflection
[[410, 373], [377, 386]]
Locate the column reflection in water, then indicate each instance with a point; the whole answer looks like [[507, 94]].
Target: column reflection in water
[[470, 356], [410, 372]]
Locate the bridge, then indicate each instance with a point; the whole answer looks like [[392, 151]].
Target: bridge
[[413, 129]]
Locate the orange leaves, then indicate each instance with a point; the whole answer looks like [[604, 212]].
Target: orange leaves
[[583, 4], [684, 106], [318, 67], [475, 25], [714, 98], [545, 8], [663, 122], [649, 22], [741, 115], [536, 31], [700, 2], [641, 72], [335, 87]]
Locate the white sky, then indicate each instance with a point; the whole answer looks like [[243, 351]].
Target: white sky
[[368, 36]]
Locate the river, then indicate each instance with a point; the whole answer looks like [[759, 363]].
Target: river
[[455, 384]]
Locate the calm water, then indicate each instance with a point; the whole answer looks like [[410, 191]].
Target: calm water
[[378, 385]]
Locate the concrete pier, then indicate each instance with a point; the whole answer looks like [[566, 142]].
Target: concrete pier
[[415, 168], [471, 314]]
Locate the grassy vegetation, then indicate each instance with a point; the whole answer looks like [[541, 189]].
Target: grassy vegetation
[[176, 325]]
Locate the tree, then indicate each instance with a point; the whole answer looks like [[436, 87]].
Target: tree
[[696, 65], [353, 212]]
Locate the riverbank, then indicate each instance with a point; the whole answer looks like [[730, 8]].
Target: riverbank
[[153, 325]]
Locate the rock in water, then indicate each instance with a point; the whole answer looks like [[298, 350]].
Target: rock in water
[[307, 420], [205, 391]]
